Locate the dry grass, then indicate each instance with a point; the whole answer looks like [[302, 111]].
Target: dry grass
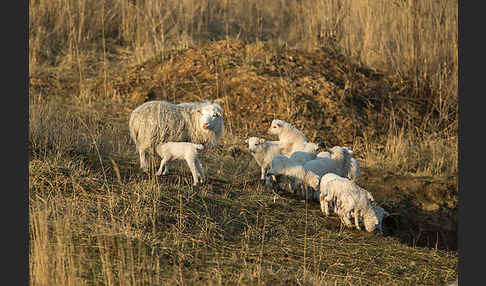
[[94, 218]]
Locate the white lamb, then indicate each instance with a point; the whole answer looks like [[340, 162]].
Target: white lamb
[[351, 201], [291, 139], [181, 151], [338, 162], [354, 171], [284, 166], [302, 157], [263, 151], [331, 181], [157, 122]]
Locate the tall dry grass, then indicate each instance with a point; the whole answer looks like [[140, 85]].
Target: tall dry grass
[[406, 37]]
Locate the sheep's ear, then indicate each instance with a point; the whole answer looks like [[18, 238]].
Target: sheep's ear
[[261, 140]]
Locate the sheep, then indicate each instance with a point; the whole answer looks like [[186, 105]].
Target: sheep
[[338, 162], [282, 165], [302, 157], [263, 151], [291, 138], [353, 171], [331, 181], [351, 201], [181, 151], [156, 122]]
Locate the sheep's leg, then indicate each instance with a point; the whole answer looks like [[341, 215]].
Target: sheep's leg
[[163, 166], [142, 152], [166, 168], [324, 206], [192, 166], [346, 220], [263, 173], [356, 219], [200, 170]]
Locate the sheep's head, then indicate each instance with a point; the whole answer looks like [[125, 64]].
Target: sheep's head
[[373, 218], [211, 116], [313, 181], [254, 143], [311, 147], [276, 126]]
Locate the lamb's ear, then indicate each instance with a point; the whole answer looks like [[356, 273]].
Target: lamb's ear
[[261, 140], [246, 140]]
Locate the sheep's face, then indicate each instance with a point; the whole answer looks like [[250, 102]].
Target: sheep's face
[[254, 144], [311, 147], [211, 117], [275, 127]]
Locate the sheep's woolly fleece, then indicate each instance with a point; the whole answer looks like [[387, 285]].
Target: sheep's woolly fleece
[[157, 122]]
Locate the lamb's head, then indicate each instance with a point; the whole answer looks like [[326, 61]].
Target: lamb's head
[[313, 181], [342, 156], [254, 144], [276, 127], [311, 147], [210, 116], [373, 218]]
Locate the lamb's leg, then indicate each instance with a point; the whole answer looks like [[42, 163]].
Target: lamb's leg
[[192, 166], [200, 170], [324, 205], [356, 219], [163, 165], [346, 220], [263, 172]]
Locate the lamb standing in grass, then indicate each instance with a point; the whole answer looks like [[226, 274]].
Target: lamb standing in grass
[[263, 151], [291, 139], [284, 166], [157, 122], [332, 182], [350, 200], [181, 151]]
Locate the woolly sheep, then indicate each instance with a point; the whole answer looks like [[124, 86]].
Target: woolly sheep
[[354, 171], [338, 162], [181, 151], [302, 157], [351, 201], [156, 122], [289, 137], [284, 166], [263, 151], [332, 182]]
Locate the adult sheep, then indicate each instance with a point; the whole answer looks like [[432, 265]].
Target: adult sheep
[[156, 122]]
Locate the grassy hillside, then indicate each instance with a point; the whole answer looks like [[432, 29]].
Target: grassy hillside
[[346, 74]]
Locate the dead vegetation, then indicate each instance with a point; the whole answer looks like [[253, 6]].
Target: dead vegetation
[[371, 80]]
